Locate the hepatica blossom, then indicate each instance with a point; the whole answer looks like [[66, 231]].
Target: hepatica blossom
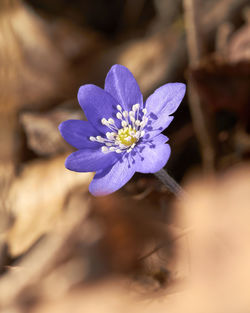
[[123, 134]]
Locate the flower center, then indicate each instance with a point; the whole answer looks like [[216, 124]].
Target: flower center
[[125, 138]]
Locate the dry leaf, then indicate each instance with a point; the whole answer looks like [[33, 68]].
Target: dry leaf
[[43, 136], [36, 199]]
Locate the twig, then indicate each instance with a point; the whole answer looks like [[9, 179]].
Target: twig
[[163, 244], [195, 52], [193, 32]]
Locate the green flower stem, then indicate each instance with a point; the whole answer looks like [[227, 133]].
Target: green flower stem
[[169, 182]]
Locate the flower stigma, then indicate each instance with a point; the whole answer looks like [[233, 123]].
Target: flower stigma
[[123, 139], [127, 136]]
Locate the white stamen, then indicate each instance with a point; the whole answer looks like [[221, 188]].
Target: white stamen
[[138, 135], [132, 119], [104, 121], [134, 107], [119, 116], [100, 139], [142, 124], [105, 149], [110, 136], [123, 139], [122, 146]]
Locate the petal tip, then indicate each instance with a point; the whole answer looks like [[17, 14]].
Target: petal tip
[[178, 87], [119, 69], [71, 163], [61, 127], [118, 66], [96, 192], [65, 126], [85, 91], [182, 88], [167, 155], [68, 163]]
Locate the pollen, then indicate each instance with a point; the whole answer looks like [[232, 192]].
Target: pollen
[[127, 136]]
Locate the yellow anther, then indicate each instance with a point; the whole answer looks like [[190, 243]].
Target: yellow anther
[[126, 136]]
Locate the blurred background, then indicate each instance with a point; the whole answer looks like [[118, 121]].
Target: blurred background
[[139, 249]]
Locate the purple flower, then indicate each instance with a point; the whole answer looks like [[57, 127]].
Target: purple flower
[[122, 135]]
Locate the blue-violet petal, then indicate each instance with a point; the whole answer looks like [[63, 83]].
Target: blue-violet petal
[[77, 133], [90, 160], [110, 180], [162, 103], [97, 104], [151, 156], [121, 84]]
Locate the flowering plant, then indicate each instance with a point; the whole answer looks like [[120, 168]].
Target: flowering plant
[[123, 134]]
